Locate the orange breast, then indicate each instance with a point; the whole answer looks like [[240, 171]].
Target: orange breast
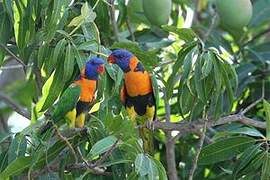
[[138, 83], [88, 89]]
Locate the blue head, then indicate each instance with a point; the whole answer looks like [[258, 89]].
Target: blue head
[[121, 57], [93, 68]]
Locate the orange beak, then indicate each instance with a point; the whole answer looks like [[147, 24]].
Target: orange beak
[[100, 69], [111, 59]]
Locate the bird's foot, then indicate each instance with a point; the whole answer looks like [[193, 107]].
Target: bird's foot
[[151, 124]]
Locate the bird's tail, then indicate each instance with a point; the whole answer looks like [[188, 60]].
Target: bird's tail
[[148, 140]]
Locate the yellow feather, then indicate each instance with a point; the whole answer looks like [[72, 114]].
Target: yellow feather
[[80, 120], [131, 113], [71, 117], [150, 112]]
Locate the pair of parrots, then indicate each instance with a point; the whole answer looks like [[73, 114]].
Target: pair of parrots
[[137, 94]]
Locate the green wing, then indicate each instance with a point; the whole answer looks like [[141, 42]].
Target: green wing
[[67, 102]]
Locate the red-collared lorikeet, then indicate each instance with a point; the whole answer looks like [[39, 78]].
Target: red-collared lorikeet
[[77, 99], [137, 93]]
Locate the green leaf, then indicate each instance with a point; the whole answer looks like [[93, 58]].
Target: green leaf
[[179, 62], [255, 164], [5, 31], [16, 167], [186, 34], [115, 162], [146, 166], [185, 99], [224, 149], [54, 19], [217, 72], [226, 79], [161, 170], [5, 136], [79, 59], [148, 58], [102, 146], [57, 53], [76, 21], [17, 147], [141, 164], [207, 66], [248, 155], [87, 13], [42, 54], [69, 63], [266, 168], [153, 172], [266, 107], [242, 130], [187, 66], [45, 92], [261, 13], [51, 89], [49, 154], [232, 75], [89, 46], [3, 160], [199, 83]]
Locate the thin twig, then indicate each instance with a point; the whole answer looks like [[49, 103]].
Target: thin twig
[[14, 56], [256, 37], [256, 102], [113, 20], [211, 27], [251, 106], [130, 30], [195, 16], [67, 142], [106, 155], [195, 160], [14, 106], [83, 159]]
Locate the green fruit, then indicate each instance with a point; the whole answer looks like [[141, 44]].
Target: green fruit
[[234, 14], [157, 11]]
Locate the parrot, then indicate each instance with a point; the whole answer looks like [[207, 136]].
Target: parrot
[[76, 100], [137, 94]]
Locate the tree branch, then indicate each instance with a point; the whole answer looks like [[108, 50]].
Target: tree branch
[[70, 167], [170, 143], [186, 127], [14, 106], [13, 55]]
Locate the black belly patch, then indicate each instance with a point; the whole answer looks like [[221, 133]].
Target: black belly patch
[[140, 103], [82, 107]]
